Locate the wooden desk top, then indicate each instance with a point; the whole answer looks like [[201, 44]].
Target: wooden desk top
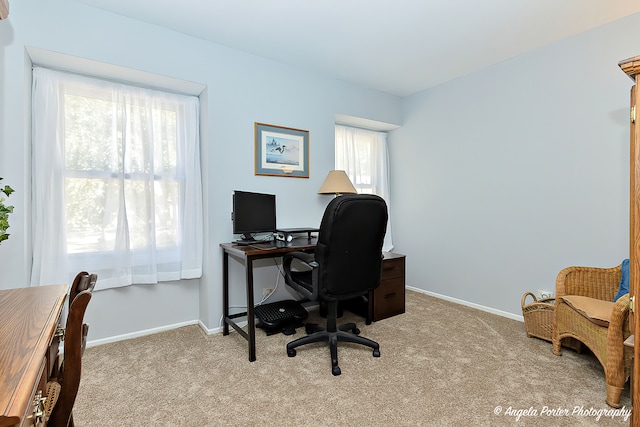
[[275, 248], [270, 249], [28, 319]]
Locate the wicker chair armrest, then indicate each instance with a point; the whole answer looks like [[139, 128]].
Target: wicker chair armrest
[[593, 282], [620, 314], [617, 364]]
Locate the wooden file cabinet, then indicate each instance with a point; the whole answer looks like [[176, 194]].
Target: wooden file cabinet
[[388, 298]]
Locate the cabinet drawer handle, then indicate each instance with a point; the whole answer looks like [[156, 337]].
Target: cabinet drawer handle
[[390, 295], [38, 415], [59, 333]]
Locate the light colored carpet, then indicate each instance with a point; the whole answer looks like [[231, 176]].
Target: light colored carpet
[[441, 364]]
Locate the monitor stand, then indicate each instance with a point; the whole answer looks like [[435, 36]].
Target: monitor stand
[[290, 231]]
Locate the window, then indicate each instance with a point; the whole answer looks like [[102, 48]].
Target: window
[[362, 154], [116, 177]]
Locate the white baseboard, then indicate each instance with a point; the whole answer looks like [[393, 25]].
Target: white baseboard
[[211, 331], [469, 304], [218, 329], [142, 333]]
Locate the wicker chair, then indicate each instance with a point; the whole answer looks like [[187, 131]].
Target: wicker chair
[[603, 333]]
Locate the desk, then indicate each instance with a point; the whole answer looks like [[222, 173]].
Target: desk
[[248, 254], [28, 320]]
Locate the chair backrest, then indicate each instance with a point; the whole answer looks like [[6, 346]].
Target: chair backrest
[[74, 345], [80, 283], [349, 248]]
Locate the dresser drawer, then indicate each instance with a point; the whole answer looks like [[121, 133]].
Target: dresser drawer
[[388, 298], [35, 404], [392, 267], [53, 361]]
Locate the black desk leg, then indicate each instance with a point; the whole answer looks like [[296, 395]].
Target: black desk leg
[[225, 292], [251, 320]]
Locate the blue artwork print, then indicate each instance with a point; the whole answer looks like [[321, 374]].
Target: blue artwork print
[[282, 151]]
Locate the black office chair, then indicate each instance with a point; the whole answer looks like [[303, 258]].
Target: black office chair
[[346, 264]]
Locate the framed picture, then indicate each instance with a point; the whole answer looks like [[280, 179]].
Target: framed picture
[[281, 151]]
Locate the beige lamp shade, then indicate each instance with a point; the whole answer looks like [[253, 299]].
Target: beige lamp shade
[[4, 9], [337, 182]]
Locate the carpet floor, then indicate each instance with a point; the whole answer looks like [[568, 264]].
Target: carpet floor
[[441, 364]]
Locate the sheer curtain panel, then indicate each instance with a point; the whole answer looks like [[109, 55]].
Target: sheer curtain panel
[[116, 182], [363, 155]]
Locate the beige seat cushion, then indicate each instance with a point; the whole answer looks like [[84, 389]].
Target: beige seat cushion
[[596, 310]]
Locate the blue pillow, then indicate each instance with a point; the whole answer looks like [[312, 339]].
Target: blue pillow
[[624, 281]]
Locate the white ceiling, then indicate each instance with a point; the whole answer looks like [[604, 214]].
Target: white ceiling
[[396, 46]]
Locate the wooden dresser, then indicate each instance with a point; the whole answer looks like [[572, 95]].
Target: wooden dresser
[[28, 347]]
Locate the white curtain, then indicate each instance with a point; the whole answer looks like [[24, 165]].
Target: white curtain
[[363, 155], [116, 185]]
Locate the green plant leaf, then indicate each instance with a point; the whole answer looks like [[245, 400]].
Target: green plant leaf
[[4, 213]]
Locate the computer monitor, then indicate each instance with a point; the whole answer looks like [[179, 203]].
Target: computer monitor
[[253, 213]]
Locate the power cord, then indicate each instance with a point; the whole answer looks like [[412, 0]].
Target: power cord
[[273, 291], [279, 273]]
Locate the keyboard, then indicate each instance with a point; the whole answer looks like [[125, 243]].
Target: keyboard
[[251, 242]]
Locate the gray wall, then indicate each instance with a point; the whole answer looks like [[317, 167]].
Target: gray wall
[[504, 177], [240, 89]]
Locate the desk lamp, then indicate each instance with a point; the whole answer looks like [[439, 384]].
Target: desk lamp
[[4, 9], [337, 182]]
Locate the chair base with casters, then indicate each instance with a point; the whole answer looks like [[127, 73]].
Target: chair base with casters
[[332, 334]]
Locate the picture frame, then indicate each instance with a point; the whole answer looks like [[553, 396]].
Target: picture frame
[[281, 151]]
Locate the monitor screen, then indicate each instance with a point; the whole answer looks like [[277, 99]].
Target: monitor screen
[[253, 213]]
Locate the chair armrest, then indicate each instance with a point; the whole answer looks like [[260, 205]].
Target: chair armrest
[[617, 332], [593, 282], [303, 281], [620, 313], [307, 258]]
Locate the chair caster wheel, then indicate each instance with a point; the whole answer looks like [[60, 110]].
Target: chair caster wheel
[[376, 352], [336, 370], [291, 352], [356, 331]]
